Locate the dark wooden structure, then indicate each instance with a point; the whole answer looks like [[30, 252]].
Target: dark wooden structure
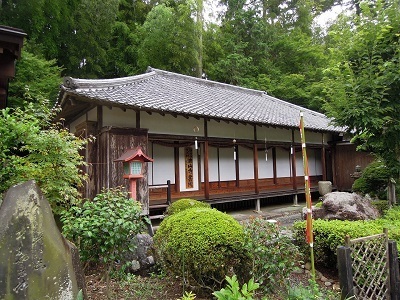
[[345, 162], [11, 42]]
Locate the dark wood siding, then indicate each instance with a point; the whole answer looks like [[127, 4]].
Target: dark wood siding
[[113, 142], [345, 162]]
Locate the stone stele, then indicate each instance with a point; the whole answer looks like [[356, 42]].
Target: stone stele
[[36, 261]]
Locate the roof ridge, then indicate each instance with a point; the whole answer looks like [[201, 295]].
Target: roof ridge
[[76, 83], [206, 81], [301, 108]]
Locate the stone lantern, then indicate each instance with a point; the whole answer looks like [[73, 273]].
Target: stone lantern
[[133, 162]]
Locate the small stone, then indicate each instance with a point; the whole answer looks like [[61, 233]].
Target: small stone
[[323, 279], [308, 266], [150, 260], [336, 287], [298, 271], [135, 265], [328, 283]]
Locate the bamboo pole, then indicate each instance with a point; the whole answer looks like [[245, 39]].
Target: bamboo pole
[[309, 224]]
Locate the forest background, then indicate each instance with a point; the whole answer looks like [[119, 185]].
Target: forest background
[[347, 69]]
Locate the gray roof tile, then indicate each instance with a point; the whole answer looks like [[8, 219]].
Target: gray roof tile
[[159, 90]]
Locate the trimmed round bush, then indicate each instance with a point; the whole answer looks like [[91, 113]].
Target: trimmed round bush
[[203, 245], [185, 203]]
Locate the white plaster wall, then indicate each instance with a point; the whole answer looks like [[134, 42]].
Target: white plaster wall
[[92, 114], [227, 164], [314, 162], [299, 164], [246, 163], [168, 124], [274, 134], [283, 168], [314, 137], [230, 130], [265, 168], [182, 175], [212, 163], [119, 118], [163, 167], [75, 123]]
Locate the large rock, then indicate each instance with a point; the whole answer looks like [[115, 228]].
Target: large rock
[[345, 206], [36, 261], [324, 187], [141, 259]]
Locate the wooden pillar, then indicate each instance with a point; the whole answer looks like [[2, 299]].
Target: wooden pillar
[[294, 175], [323, 158], [274, 165], [206, 158], [99, 117], [219, 171], [333, 163], [138, 119], [255, 160], [176, 166], [345, 272], [394, 276], [206, 175]]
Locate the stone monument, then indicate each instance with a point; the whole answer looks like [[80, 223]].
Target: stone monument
[[36, 261]]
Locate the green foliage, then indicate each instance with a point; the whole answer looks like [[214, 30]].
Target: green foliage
[[202, 245], [103, 227], [373, 181], [234, 292], [32, 147], [362, 85], [80, 295], [168, 40], [39, 77], [273, 256], [311, 292], [185, 203], [381, 205], [318, 204], [188, 296], [328, 235], [138, 287]]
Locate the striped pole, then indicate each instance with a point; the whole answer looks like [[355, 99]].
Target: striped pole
[[309, 224]]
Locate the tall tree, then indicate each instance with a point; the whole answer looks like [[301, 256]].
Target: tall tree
[[92, 32], [168, 39], [363, 86], [48, 23], [75, 32], [125, 39], [36, 77]]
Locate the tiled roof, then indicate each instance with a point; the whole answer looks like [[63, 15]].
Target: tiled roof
[[168, 92]]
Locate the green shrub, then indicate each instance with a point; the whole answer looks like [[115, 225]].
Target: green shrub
[[185, 203], [32, 147], [103, 227], [381, 205], [202, 245], [328, 235], [373, 181], [273, 256]]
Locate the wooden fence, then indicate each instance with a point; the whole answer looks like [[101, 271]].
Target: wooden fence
[[369, 268]]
